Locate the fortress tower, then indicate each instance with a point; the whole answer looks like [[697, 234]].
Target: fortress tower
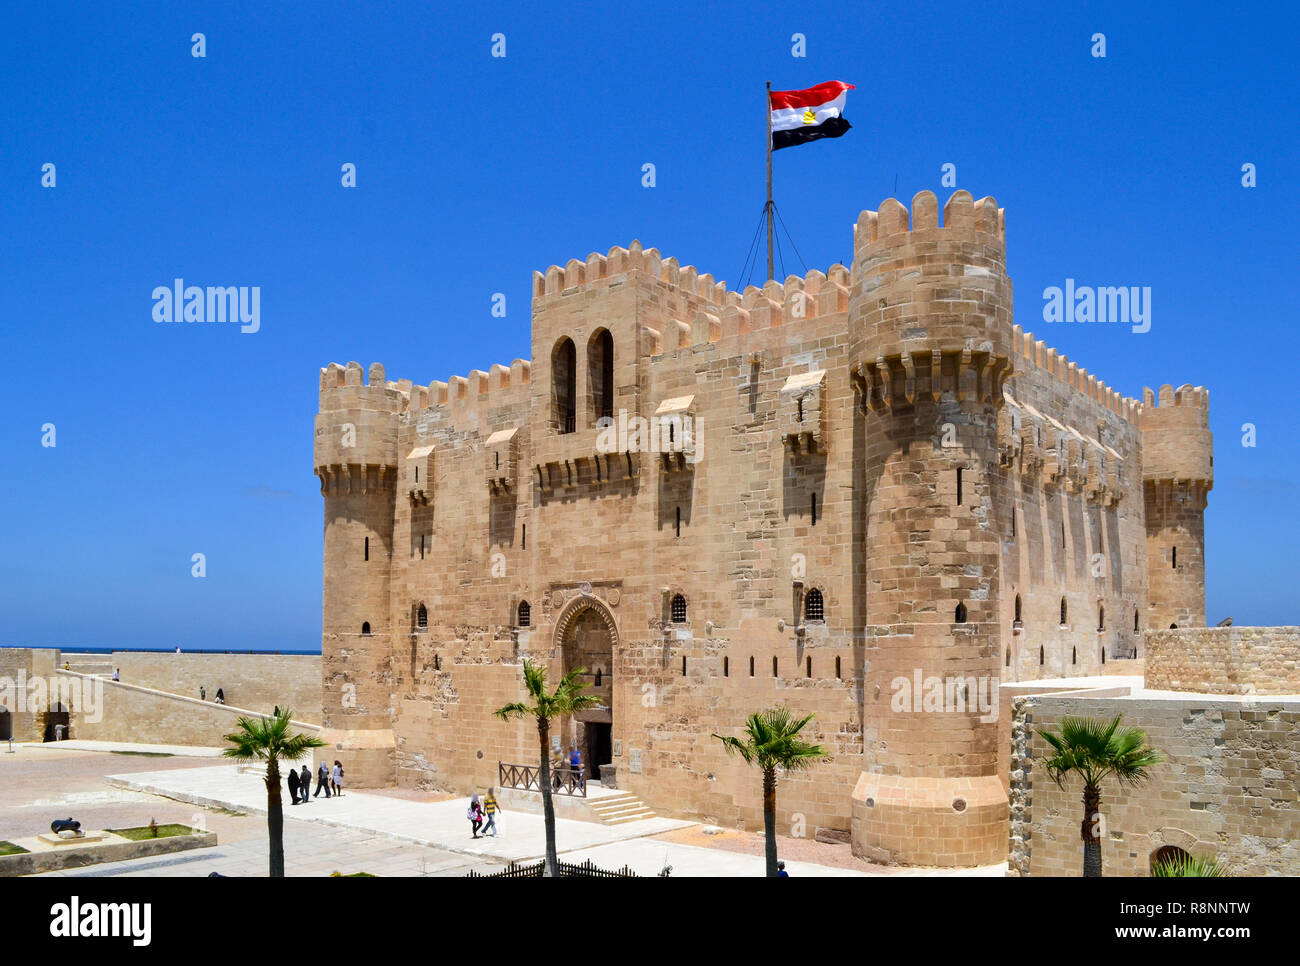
[[356, 460], [929, 329], [1177, 476]]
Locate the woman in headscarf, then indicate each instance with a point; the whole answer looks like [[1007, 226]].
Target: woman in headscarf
[[475, 814]]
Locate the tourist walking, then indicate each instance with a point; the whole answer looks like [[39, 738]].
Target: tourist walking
[[490, 809], [304, 782], [293, 785], [117, 676], [474, 814], [203, 693], [575, 762], [322, 780], [336, 776], [221, 696]]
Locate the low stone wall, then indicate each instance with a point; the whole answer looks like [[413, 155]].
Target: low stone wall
[[256, 681], [1230, 786], [111, 711], [1224, 660], [115, 848]]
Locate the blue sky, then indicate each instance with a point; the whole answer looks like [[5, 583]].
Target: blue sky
[[473, 171]]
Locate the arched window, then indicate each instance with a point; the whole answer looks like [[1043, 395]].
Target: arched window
[[814, 608], [1063, 611], [1018, 608], [600, 373], [679, 609], [1173, 627], [525, 614], [564, 372], [365, 629], [1101, 617], [960, 616], [422, 617]]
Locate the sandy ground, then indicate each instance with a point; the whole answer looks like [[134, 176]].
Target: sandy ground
[[794, 850]]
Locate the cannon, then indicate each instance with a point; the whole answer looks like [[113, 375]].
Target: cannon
[[64, 825]]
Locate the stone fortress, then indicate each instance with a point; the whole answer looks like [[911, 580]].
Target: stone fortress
[[863, 479]]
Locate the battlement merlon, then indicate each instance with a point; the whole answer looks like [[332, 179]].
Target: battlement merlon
[[1036, 353], [342, 390], [797, 299], [930, 305], [1177, 445]]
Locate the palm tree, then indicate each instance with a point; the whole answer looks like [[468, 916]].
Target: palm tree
[[567, 699], [772, 741], [1191, 867], [269, 740], [1096, 750]]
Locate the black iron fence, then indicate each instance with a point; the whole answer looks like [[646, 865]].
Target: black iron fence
[[568, 870]]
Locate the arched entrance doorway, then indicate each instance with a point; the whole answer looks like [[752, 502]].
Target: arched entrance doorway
[[586, 635], [57, 722], [6, 724]]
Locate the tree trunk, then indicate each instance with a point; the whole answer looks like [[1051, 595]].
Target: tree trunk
[[551, 869], [769, 820], [275, 818], [1091, 832]]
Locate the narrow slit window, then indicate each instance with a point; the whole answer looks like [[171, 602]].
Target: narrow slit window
[[1135, 622], [814, 509], [367, 548], [959, 486], [678, 524], [1173, 559], [523, 543], [1041, 656], [809, 666], [1017, 618], [751, 666], [726, 667], [837, 668], [1074, 655], [774, 672], [1101, 618], [683, 665], [1063, 611]]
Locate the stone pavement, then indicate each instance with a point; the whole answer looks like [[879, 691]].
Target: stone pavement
[[439, 825], [123, 747]]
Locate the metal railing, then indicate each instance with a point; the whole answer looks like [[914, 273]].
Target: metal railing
[[564, 781]]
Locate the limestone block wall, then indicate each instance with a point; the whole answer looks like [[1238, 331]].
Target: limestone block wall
[[1229, 786], [1075, 530], [130, 713], [1225, 660], [255, 681]]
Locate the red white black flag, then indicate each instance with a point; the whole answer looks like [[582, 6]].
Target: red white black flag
[[800, 116]]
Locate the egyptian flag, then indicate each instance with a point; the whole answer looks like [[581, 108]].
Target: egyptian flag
[[800, 116]]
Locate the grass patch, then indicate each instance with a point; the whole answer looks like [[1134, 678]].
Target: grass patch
[[142, 832], [227, 811], [144, 754], [8, 848], [352, 875]]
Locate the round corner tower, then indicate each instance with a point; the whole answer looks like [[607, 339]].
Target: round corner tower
[[929, 341], [356, 459], [1177, 476]]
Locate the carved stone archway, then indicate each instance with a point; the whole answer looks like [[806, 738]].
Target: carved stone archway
[[586, 635]]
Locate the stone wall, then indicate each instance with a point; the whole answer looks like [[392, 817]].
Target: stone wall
[[1225, 660], [1228, 788], [18, 667], [258, 682], [129, 713]]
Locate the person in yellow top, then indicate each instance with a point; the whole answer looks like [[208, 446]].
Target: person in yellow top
[[491, 808]]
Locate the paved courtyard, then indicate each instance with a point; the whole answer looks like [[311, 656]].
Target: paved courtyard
[[385, 833]]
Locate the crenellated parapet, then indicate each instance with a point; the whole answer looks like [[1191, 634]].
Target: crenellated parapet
[[1030, 352], [1177, 445], [930, 304], [357, 428]]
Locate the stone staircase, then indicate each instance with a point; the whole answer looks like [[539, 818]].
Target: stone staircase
[[619, 808]]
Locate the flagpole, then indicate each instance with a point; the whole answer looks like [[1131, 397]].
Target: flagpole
[[767, 209]]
